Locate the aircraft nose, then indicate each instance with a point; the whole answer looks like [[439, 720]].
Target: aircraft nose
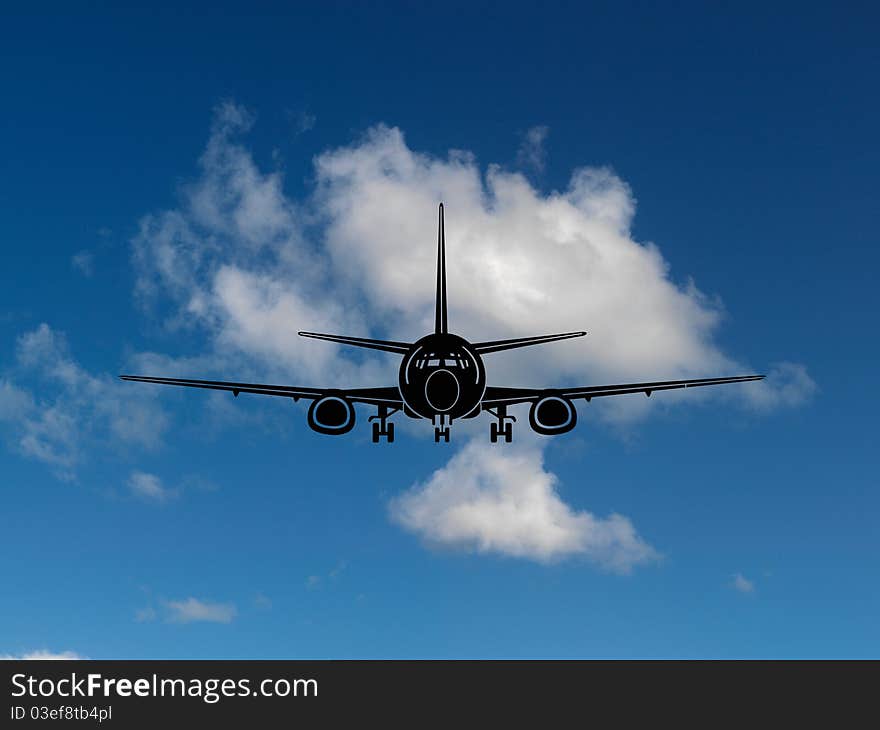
[[441, 390]]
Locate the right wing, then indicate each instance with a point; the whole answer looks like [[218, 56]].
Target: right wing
[[374, 396], [496, 396]]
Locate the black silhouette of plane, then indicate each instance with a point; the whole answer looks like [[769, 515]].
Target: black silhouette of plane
[[442, 378]]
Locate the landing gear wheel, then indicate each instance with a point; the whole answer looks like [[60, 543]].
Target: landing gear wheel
[[379, 432], [441, 433], [506, 432]]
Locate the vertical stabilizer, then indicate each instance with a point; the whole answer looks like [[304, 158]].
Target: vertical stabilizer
[[440, 315]]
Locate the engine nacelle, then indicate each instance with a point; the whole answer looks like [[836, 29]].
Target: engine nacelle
[[332, 415], [552, 415]]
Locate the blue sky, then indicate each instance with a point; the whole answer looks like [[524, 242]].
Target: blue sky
[[278, 154]]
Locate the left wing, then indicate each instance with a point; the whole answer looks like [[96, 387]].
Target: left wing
[[389, 396], [510, 396]]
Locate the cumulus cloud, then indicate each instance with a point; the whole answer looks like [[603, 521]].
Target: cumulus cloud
[[246, 265], [742, 584], [42, 654], [499, 501], [54, 408], [234, 260], [191, 610]]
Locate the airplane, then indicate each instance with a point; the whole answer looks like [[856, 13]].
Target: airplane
[[442, 378]]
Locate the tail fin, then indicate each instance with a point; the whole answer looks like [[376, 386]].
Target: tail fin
[[440, 327]]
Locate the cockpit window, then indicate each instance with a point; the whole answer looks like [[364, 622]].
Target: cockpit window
[[447, 360]]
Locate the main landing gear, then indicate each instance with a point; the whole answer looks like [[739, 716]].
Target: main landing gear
[[441, 429], [381, 426], [503, 426]]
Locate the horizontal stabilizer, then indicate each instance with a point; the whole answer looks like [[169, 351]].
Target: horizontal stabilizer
[[386, 345], [496, 345]]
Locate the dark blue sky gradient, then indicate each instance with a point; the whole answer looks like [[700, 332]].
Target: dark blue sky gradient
[[748, 136]]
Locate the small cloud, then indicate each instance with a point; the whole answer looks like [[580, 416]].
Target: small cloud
[[742, 584], [262, 601], [145, 615], [531, 153], [149, 487], [43, 654], [191, 610], [65, 409], [313, 581], [84, 262], [489, 500]]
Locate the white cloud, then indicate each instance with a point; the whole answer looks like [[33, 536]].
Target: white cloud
[[192, 609], [149, 487], [42, 654], [498, 501], [55, 408], [531, 152], [742, 584], [235, 262]]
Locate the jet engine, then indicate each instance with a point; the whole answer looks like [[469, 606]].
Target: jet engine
[[332, 415], [552, 415]]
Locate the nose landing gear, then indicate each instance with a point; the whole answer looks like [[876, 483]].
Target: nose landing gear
[[381, 426], [503, 426], [441, 429]]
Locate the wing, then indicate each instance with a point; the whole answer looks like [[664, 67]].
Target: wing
[[510, 396], [374, 396]]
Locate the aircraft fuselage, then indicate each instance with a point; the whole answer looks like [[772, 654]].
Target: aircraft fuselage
[[442, 376]]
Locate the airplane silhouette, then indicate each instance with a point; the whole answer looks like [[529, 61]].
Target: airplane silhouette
[[442, 378]]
